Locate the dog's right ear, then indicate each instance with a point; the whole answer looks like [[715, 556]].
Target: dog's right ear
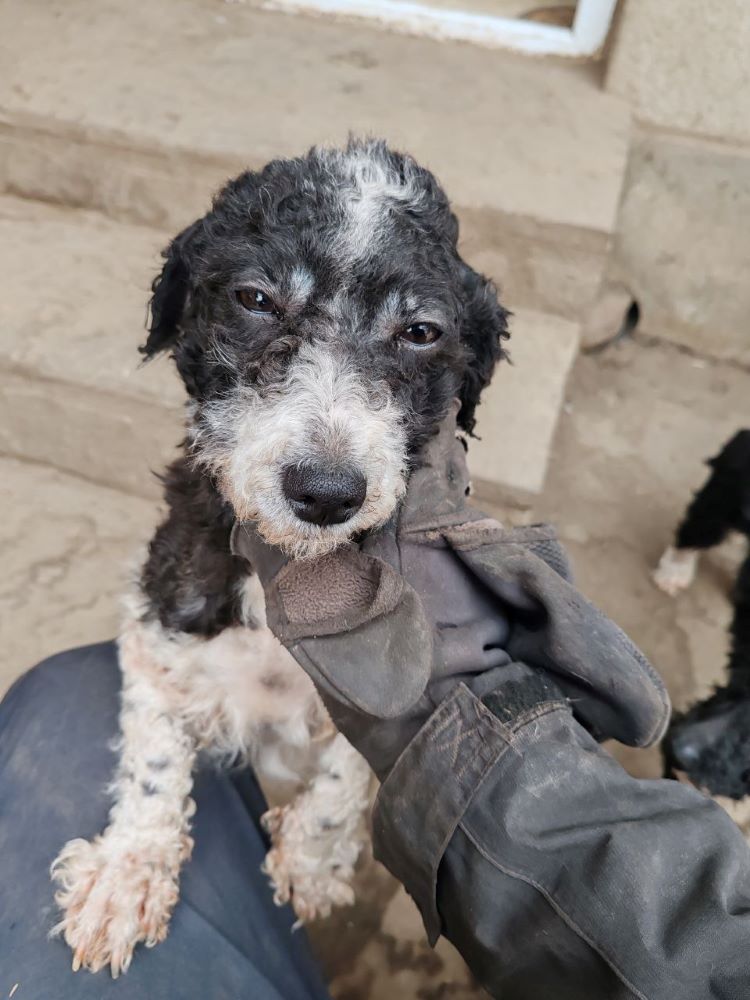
[[171, 292], [483, 330]]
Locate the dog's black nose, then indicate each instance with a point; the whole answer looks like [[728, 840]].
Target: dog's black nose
[[324, 496]]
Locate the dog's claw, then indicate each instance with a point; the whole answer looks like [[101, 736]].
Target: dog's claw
[[77, 960], [119, 962]]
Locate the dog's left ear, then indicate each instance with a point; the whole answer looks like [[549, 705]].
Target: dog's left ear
[[171, 292], [484, 326]]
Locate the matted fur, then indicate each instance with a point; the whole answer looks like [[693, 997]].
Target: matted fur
[[347, 250]]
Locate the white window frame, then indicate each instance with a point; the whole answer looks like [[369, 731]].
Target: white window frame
[[584, 39]]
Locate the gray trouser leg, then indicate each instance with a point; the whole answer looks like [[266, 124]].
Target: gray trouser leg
[[227, 939]]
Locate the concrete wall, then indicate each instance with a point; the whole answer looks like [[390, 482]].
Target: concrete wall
[[685, 65], [682, 240]]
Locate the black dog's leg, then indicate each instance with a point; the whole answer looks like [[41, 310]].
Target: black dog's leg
[[717, 507], [738, 667]]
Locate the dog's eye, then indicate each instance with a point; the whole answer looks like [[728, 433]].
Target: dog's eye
[[420, 334], [255, 301]]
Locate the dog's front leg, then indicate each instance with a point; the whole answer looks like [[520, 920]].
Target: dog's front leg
[[119, 889], [317, 838]]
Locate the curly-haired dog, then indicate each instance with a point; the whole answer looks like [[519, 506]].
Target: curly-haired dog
[[710, 743], [322, 321]]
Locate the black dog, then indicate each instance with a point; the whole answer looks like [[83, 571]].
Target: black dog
[[710, 743]]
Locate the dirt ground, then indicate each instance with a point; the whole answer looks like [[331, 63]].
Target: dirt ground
[[638, 423]]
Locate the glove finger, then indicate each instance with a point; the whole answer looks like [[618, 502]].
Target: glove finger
[[613, 689], [349, 619], [357, 628]]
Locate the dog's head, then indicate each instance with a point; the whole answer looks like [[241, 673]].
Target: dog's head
[[322, 321], [710, 744]]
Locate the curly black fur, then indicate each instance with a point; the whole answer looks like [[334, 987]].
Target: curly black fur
[[723, 502], [190, 575], [711, 741], [270, 222]]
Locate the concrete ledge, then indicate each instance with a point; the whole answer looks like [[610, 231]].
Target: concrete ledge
[[72, 390], [69, 549], [110, 439], [551, 266], [141, 111], [80, 285], [518, 415]]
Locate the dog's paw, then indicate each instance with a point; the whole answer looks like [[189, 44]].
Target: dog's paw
[[311, 861], [113, 896], [676, 570]]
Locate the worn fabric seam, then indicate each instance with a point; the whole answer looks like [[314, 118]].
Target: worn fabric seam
[[571, 923]]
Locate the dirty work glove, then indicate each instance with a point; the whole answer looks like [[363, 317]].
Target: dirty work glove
[[444, 596]]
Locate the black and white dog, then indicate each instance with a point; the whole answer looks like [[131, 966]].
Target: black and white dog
[[710, 743], [322, 321]]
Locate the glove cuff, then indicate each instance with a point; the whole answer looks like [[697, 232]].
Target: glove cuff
[[521, 692], [433, 782]]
